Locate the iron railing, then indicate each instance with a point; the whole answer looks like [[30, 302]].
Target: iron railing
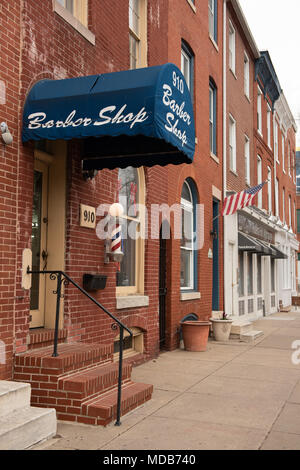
[[63, 279]]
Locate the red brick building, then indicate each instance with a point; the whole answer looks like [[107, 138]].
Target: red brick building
[[43, 189]]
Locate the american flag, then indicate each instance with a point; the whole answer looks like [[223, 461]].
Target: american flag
[[239, 200]]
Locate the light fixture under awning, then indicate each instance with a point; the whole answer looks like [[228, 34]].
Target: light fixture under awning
[[139, 117]]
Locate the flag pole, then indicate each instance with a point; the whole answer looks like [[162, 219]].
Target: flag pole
[[216, 217]]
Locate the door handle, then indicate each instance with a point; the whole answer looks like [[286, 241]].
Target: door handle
[[45, 257]]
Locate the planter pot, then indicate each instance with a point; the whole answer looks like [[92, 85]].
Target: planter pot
[[195, 335], [221, 329]]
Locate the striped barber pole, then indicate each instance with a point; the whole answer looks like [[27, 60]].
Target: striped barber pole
[[240, 200], [116, 239]]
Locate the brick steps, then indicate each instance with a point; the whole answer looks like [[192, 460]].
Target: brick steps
[[43, 337], [71, 358], [77, 381], [93, 381], [104, 409]]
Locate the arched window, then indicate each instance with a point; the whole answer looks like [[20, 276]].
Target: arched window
[[130, 277], [188, 271]]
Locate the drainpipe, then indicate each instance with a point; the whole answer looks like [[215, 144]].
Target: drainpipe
[[224, 141]]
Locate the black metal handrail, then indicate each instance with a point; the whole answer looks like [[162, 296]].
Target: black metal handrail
[[63, 278]]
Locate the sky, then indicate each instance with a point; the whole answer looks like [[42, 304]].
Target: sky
[[275, 26]]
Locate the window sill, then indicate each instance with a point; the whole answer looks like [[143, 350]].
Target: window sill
[[247, 98], [233, 73], [74, 22], [190, 295], [132, 301], [214, 157], [214, 42], [192, 5], [259, 132]]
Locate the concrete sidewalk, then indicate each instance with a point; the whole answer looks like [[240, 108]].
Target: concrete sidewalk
[[233, 396]]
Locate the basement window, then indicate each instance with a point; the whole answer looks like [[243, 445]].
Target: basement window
[[131, 344]]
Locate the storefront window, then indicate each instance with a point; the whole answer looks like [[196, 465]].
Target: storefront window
[[241, 274], [250, 274], [272, 275], [259, 283]]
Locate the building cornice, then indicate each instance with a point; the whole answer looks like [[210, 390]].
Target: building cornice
[[265, 72], [284, 113]]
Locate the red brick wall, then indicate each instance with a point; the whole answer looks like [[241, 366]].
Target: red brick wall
[[9, 106], [240, 108]]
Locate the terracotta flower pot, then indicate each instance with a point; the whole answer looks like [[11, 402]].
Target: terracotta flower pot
[[195, 335], [221, 329]]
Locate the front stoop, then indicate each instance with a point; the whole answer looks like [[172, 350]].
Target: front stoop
[[243, 330], [21, 425], [104, 409], [79, 382]]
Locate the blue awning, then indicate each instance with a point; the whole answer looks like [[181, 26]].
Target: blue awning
[[139, 117]]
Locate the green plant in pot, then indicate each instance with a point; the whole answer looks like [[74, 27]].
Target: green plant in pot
[[221, 327]]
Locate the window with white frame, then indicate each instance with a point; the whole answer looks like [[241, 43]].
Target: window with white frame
[[137, 33], [187, 248], [131, 186], [283, 151], [213, 118], [269, 125], [259, 180], [212, 19], [269, 190], [247, 159], [276, 141], [187, 65], [276, 197], [231, 47], [294, 165], [232, 143], [78, 8], [290, 211], [259, 110], [283, 205], [289, 158], [246, 75]]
